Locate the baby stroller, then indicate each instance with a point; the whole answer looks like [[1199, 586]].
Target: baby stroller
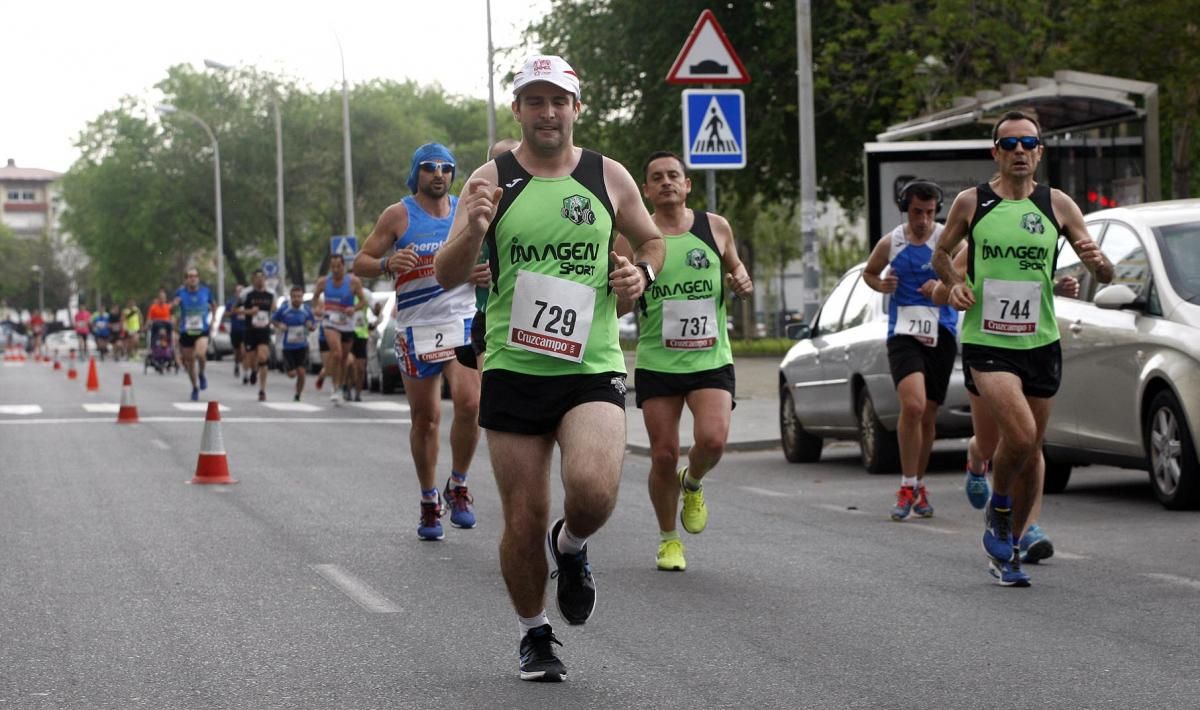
[[161, 353]]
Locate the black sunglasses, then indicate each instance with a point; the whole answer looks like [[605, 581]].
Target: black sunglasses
[[1027, 142], [430, 166]]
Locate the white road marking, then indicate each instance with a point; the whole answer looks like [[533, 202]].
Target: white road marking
[[356, 589], [292, 406], [196, 406], [1174, 579], [228, 420], [14, 364], [102, 408], [161, 444], [1070, 555], [380, 406], [918, 525], [21, 409], [765, 492]]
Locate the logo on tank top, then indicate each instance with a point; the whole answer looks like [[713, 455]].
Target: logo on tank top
[[697, 259], [1032, 222], [578, 209]]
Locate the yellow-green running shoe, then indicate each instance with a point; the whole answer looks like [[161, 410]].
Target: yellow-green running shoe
[[670, 556], [694, 515]]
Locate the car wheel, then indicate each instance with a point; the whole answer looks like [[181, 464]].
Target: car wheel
[[880, 448], [388, 382], [798, 445], [1057, 475], [1174, 471]]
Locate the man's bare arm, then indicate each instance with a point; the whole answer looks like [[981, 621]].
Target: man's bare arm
[[876, 263], [392, 222], [477, 205], [1070, 217], [633, 221]]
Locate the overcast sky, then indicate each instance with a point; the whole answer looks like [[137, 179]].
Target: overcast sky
[[66, 61]]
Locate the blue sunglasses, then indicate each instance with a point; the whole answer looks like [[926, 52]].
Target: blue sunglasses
[[1027, 142], [430, 166]]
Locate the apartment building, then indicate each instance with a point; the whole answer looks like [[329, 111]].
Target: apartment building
[[29, 199]]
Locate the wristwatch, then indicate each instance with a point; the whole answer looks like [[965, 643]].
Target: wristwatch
[[648, 270]]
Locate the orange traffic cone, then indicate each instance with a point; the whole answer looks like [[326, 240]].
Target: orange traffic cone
[[127, 414], [57, 364], [71, 374], [212, 466], [93, 381]]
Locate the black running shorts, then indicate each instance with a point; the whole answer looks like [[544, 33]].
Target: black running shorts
[[255, 337], [648, 383], [535, 404], [189, 341], [1040, 369], [907, 355], [295, 359]]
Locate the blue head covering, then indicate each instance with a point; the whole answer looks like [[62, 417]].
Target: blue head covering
[[429, 151]]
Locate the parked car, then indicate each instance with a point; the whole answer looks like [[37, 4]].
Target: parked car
[[12, 335], [219, 343], [835, 382], [627, 327], [1130, 393], [62, 342]]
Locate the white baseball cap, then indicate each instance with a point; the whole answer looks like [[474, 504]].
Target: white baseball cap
[[547, 67]]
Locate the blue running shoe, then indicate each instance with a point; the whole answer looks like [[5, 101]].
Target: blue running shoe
[[195, 395], [1035, 546], [1008, 574], [923, 508], [906, 498], [431, 523], [997, 536], [978, 489], [461, 505], [203, 381]]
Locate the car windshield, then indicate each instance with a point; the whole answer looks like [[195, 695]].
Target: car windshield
[[1180, 244]]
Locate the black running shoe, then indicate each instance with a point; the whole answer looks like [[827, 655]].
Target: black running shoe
[[539, 662], [576, 587], [254, 377]]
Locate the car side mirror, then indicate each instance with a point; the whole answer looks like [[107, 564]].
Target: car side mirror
[[1115, 297], [797, 331]]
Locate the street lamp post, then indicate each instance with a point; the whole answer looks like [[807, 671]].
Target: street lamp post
[[167, 109], [37, 269], [279, 241], [346, 144]]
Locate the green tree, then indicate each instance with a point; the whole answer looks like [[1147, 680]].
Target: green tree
[[1157, 42], [19, 279]]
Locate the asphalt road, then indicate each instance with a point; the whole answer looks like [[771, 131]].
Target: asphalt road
[[304, 585]]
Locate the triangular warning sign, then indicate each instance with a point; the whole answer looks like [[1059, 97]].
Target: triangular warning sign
[[707, 57], [715, 136]]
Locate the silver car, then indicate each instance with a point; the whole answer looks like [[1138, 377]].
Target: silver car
[[1130, 393], [835, 382]]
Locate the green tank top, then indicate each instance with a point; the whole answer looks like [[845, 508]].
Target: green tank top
[[690, 292], [362, 330], [551, 311], [1010, 267]]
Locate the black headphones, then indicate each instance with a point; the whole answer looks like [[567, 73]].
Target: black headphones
[[905, 199]]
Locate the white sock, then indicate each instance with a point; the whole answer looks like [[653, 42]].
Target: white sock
[[568, 544], [908, 481], [526, 624]]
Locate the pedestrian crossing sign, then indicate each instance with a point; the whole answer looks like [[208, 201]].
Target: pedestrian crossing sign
[[714, 129], [346, 246]]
